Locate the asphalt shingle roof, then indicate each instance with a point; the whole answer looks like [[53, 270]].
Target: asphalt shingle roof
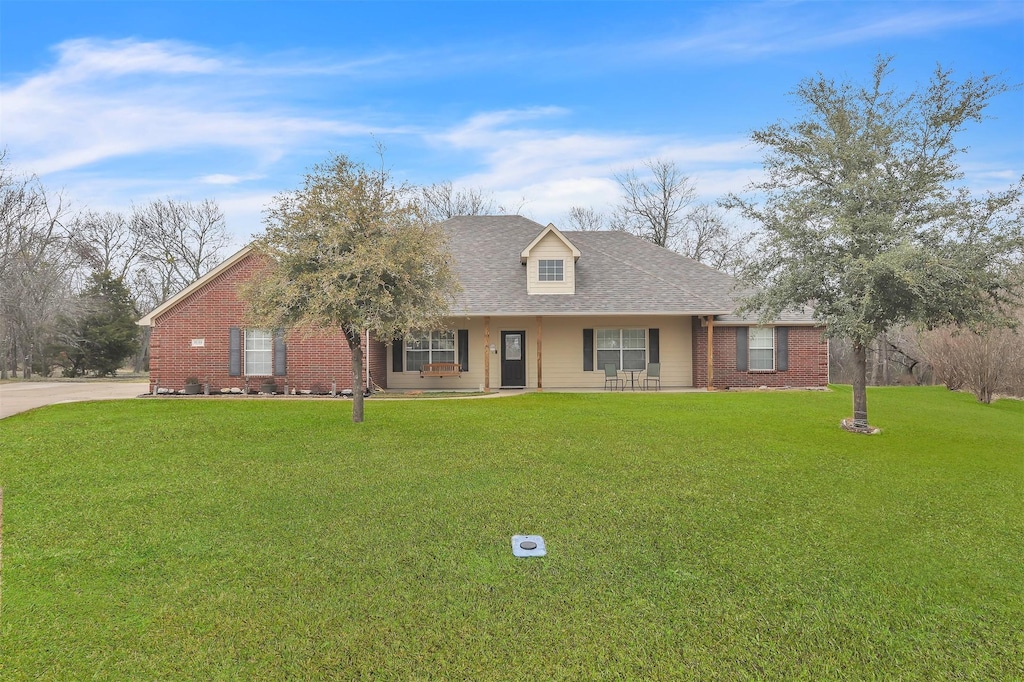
[[615, 274]]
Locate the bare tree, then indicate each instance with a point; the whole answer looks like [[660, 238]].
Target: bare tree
[[182, 241], [661, 208], [585, 219], [513, 208], [37, 266], [708, 238], [108, 242], [442, 201], [655, 206], [986, 362]]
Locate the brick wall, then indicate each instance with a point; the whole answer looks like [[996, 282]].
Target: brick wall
[[211, 311], [808, 360]]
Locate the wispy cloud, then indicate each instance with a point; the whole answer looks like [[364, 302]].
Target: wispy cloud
[[105, 99], [751, 31]]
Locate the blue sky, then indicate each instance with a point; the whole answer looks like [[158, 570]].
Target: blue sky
[[124, 102]]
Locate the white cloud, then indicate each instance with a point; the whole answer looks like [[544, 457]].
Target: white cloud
[[85, 57], [222, 179], [554, 168], [93, 106], [243, 212]]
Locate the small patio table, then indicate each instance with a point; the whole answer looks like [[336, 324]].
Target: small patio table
[[633, 374]]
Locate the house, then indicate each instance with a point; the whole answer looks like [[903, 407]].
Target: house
[[539, 308]]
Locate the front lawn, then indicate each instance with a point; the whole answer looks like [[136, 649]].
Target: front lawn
[[704, 536]]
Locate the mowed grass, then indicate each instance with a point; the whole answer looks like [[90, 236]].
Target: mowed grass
[[703, 536]]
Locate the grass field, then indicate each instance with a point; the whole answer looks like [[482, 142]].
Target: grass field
[[704, 536]]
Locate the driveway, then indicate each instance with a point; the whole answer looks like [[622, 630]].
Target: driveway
[[21, 396]]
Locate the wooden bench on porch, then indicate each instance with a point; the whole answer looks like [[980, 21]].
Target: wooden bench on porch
[[441, 369]]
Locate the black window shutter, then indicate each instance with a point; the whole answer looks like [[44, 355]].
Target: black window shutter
[[741, 349], [654, 339], [280, 354], [588, 350], [782, 348], [397, 353], [235, 352], [464, 350]]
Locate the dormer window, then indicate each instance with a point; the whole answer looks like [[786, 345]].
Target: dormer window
[[550, 262], [551, 270]]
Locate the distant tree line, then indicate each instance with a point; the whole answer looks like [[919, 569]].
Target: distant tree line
[[73, 282]]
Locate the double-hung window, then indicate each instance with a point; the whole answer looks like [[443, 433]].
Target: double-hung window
[[259, 352], [551, 270], [624, 348], [762, 349], [428, 347]]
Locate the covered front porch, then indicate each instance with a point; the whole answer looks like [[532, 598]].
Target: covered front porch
[[563, 353]]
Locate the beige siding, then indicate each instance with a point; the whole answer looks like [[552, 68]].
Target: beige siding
[[562, 345], [563, 349], [471, 380], [551, 248]]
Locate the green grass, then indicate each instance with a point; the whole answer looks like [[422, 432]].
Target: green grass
[[704, 536]]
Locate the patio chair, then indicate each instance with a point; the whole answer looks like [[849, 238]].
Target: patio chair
[[612, 378], [653, 375]]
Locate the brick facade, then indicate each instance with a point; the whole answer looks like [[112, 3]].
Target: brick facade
[[808, 360], [208, 313]]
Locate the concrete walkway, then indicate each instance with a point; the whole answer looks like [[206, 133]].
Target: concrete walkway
[[21, 396]]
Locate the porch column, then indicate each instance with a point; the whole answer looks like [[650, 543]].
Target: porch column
[[711, 352], [487, 354], [540, 363]]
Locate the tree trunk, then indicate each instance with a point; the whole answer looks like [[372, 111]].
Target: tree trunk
[[883, 346], [140, 358], [26, 349], [357, 375], [860, 392]]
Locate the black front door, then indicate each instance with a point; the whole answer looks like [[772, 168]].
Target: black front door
[[513, 359]]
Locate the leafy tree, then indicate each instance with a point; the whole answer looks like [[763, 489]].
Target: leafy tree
[[350, 250], [859, 214], [105, 335]]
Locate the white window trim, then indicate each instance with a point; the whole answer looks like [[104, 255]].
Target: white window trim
[[560, 270], [750, 347], [597, 348], [454, 350], [246, 350]]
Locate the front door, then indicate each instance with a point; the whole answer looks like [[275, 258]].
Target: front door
[[513, 359]]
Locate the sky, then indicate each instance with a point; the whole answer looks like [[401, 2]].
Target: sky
[[540, 104]]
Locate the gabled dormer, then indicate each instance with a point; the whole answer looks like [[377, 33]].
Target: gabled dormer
[[550, 262]]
